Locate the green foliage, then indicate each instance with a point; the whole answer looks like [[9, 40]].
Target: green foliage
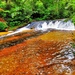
[[3, 26], [20, 11], [73, 45], [74, 53], [39, 7]]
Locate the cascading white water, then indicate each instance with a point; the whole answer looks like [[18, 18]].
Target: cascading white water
[[15, 32], [58, 25], [44, 25]]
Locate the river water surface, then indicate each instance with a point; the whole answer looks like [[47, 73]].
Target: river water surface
[[48, 53]]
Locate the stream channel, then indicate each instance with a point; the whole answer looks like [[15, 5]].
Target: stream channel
[[45, 48]]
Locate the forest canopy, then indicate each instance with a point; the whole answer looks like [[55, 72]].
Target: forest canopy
[[16, 12]]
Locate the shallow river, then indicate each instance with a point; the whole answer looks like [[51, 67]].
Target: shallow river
[[49, 53]]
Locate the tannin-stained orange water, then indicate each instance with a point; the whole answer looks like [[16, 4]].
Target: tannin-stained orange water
[[47, 54]]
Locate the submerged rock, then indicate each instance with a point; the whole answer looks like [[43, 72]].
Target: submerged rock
[[47, 54]]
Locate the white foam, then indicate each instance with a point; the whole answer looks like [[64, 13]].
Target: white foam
[[15, 32], [44, 25], [22, 29], [59, 25]]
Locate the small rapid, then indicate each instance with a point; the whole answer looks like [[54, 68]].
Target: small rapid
[[57, 25], [15, 32], [44, 26]]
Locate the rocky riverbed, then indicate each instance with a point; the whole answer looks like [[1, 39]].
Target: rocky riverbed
[[36, 53]]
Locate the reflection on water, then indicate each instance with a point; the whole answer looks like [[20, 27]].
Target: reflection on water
[[48, 54]]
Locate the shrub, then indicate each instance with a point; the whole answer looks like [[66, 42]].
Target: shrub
[[3, 26], [16, 12]]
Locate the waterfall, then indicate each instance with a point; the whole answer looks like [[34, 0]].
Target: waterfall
[[58, 25], [44, 26]]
